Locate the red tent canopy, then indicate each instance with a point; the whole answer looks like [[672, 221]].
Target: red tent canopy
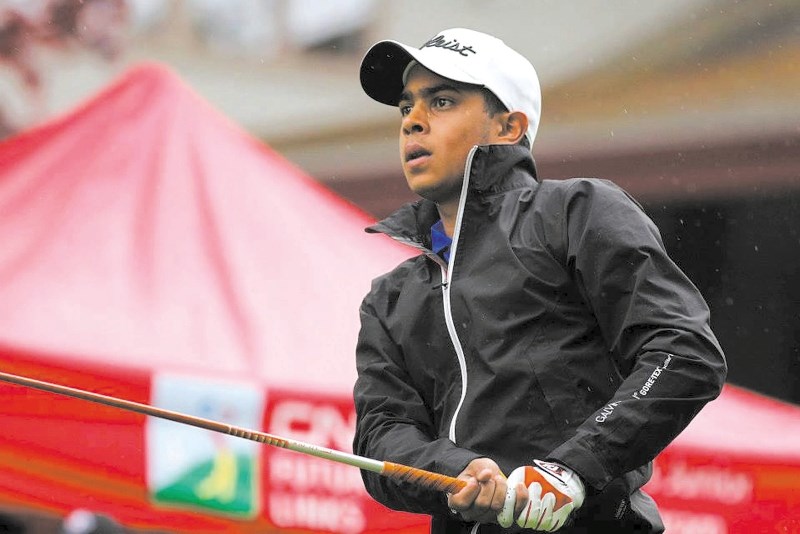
[[147, 242], [145, 230]]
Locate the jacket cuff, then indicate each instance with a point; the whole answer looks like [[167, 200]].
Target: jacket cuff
[[456, 460], [592, 471]]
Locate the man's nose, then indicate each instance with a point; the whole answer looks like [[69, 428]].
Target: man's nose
[[416, 121]]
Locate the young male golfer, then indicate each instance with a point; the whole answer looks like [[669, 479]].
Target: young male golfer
[[542, 346]]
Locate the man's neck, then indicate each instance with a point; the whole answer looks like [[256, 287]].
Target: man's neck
[[448, 212]]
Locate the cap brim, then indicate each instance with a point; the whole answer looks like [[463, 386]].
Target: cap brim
[[384, 64], [382, 71]]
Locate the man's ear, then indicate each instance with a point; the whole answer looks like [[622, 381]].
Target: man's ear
[[514, 126]]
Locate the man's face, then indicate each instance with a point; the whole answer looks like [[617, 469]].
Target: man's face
[[441, 121]]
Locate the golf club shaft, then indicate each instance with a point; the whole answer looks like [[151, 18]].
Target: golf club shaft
[[399, 472]]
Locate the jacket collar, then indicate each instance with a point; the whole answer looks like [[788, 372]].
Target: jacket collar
[[501, 167], [495, 168]]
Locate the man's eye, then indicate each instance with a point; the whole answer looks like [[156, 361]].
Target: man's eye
[[441, 102]]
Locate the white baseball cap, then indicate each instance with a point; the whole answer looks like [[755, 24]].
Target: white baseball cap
[[462, 55]]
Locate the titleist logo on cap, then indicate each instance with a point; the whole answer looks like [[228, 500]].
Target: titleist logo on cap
[[440, 42]]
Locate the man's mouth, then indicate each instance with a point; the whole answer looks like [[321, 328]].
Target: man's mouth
[[416, 154]]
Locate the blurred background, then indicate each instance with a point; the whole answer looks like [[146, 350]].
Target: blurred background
[[690, 105]]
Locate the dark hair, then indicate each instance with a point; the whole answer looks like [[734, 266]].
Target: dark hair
[[491, 103], [493, 106]]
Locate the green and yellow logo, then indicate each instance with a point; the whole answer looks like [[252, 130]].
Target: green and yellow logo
[[190, 467]]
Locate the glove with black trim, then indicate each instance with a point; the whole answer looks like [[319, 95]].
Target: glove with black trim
[[554, 493]]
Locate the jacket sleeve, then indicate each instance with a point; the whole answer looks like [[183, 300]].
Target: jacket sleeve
[[655, 324], [394, 424]]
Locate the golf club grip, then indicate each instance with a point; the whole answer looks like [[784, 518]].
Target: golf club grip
[[420, 477]]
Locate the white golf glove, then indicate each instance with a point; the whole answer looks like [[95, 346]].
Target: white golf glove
[[554, 491]]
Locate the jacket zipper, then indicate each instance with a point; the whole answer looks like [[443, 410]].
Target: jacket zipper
[[447, 277]]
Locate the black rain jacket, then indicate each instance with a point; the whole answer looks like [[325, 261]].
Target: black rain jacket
[[559, 330]]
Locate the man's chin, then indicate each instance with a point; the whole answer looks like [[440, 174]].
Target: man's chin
[[437, 193]]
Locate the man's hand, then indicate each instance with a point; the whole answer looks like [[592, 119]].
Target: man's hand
[[483, 496], [554, 492]]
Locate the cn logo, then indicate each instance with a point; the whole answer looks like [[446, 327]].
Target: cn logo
[[314, 423]]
